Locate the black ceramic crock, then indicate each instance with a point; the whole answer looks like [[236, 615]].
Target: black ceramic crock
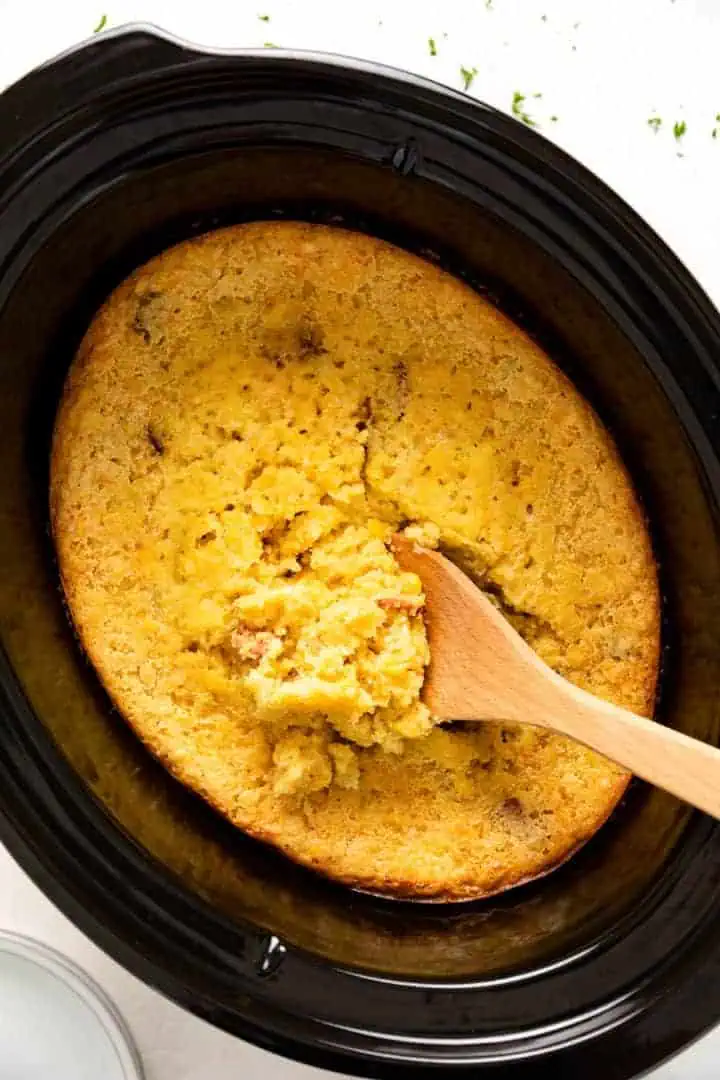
[[133, 141]]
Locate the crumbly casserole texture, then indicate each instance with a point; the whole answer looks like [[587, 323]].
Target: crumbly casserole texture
[[249, 418]]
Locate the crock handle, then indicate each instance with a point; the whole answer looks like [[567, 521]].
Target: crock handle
[[67, 82]]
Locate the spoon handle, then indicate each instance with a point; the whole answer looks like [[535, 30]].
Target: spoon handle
[[684, 766]]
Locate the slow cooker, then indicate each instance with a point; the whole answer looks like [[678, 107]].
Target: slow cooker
[[133, 141]]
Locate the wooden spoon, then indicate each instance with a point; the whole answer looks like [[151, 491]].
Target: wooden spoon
[[481, 669]]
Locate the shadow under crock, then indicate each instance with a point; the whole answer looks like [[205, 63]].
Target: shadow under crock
[[145, 143]]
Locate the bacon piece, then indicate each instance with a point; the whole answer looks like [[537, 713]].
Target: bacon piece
[[251, 645], [410, 604]]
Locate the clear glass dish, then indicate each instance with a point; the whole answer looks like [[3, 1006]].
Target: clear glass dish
[[56, 1021]]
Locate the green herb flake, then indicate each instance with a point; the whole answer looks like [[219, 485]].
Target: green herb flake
[[518, 109], [264, 18], [101, 24], [432, 46], [269, 45], [468, 77], [655, 122], [679, 129], [554, 119], [489, 4]]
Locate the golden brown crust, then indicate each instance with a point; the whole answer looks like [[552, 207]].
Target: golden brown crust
[[465, 398]]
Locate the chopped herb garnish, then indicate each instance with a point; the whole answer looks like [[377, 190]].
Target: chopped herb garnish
[[468, 76], [264, 18], [655, 122], [518, 109], [554, 119], [679, 129], [269, 45], [101, 24], [432, 46], [488, 4]]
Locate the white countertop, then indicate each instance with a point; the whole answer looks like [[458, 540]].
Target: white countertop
[[603, 68]]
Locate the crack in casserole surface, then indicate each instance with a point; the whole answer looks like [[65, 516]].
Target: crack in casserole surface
[[248, 420]]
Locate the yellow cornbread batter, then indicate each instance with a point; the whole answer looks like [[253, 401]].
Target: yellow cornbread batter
[[249, 419]]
